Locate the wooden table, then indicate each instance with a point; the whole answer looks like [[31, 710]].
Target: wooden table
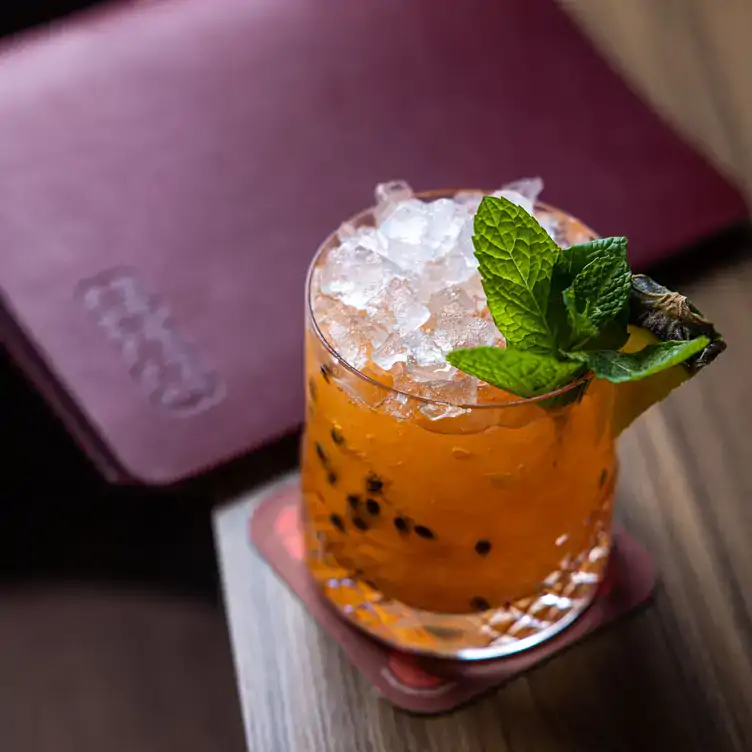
[[677, 676]]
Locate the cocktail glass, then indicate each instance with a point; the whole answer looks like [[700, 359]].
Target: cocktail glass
[[461, 531]]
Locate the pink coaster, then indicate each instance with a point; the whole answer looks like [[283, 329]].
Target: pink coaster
[[429, 685]]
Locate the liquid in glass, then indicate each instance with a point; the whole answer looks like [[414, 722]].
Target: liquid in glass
[[459, 530]]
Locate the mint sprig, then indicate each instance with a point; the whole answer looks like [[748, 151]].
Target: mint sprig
[[563, 312]]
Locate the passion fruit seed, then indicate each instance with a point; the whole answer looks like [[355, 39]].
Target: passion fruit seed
[[479, 604], [354, 501], [332, 478], [402, 524], [326, 372], [322, 455], [483, 547], [312, 390], [424, 532], [373, 507], [338, 522], [374, 484], [360, 523], [603, 478], [337, 436]]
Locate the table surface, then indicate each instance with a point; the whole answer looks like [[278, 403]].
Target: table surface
[[677, 676]]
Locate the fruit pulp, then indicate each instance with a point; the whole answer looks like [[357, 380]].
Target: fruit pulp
[[492, 508]]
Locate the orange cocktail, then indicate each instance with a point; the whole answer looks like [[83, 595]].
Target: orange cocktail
[[442, 514]]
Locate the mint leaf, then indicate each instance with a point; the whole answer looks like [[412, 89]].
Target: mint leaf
[[520, 372], [556, 315], [598, 294], [602, 289], [619, 367], [516, 257], [581, 327], [573, 260]]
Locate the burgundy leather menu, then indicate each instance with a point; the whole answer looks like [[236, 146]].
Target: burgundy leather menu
[[168, 168], [143, 289]]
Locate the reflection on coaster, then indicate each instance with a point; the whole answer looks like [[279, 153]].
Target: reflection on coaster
[[426, 685]]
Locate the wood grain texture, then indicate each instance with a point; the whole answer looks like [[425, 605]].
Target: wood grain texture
[[677, 676]]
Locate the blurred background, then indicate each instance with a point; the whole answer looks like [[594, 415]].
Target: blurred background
[[257, 125]]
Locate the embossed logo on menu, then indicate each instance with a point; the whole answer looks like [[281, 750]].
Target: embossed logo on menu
[[156, 354]]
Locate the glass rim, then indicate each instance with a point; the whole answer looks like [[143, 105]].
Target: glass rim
[[357, 220]]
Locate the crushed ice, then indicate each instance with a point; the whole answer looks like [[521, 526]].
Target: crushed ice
[[403, 294]]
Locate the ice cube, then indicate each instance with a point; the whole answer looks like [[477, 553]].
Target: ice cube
[[440, 371], [351, 334], [398, 309], [455, 322], [465, 245], [422, 350], [429, 281], [552, 228], [375, 334], [411, 258], [445, 221], [363, 237], [454, 331], [468, 201], [459, 268], [474, 288], [530, 188], [405, 231], [398, 405], [346, 230], [389, 194], [407, 223], [459, 391], [515, 198], [480, 333], [453, 269], [392, 351], [392, 190], [348, 343], [522, 192], [451, 300], [354, 274], [449, 397], [425, 360], [419, 233], [438, 411]]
